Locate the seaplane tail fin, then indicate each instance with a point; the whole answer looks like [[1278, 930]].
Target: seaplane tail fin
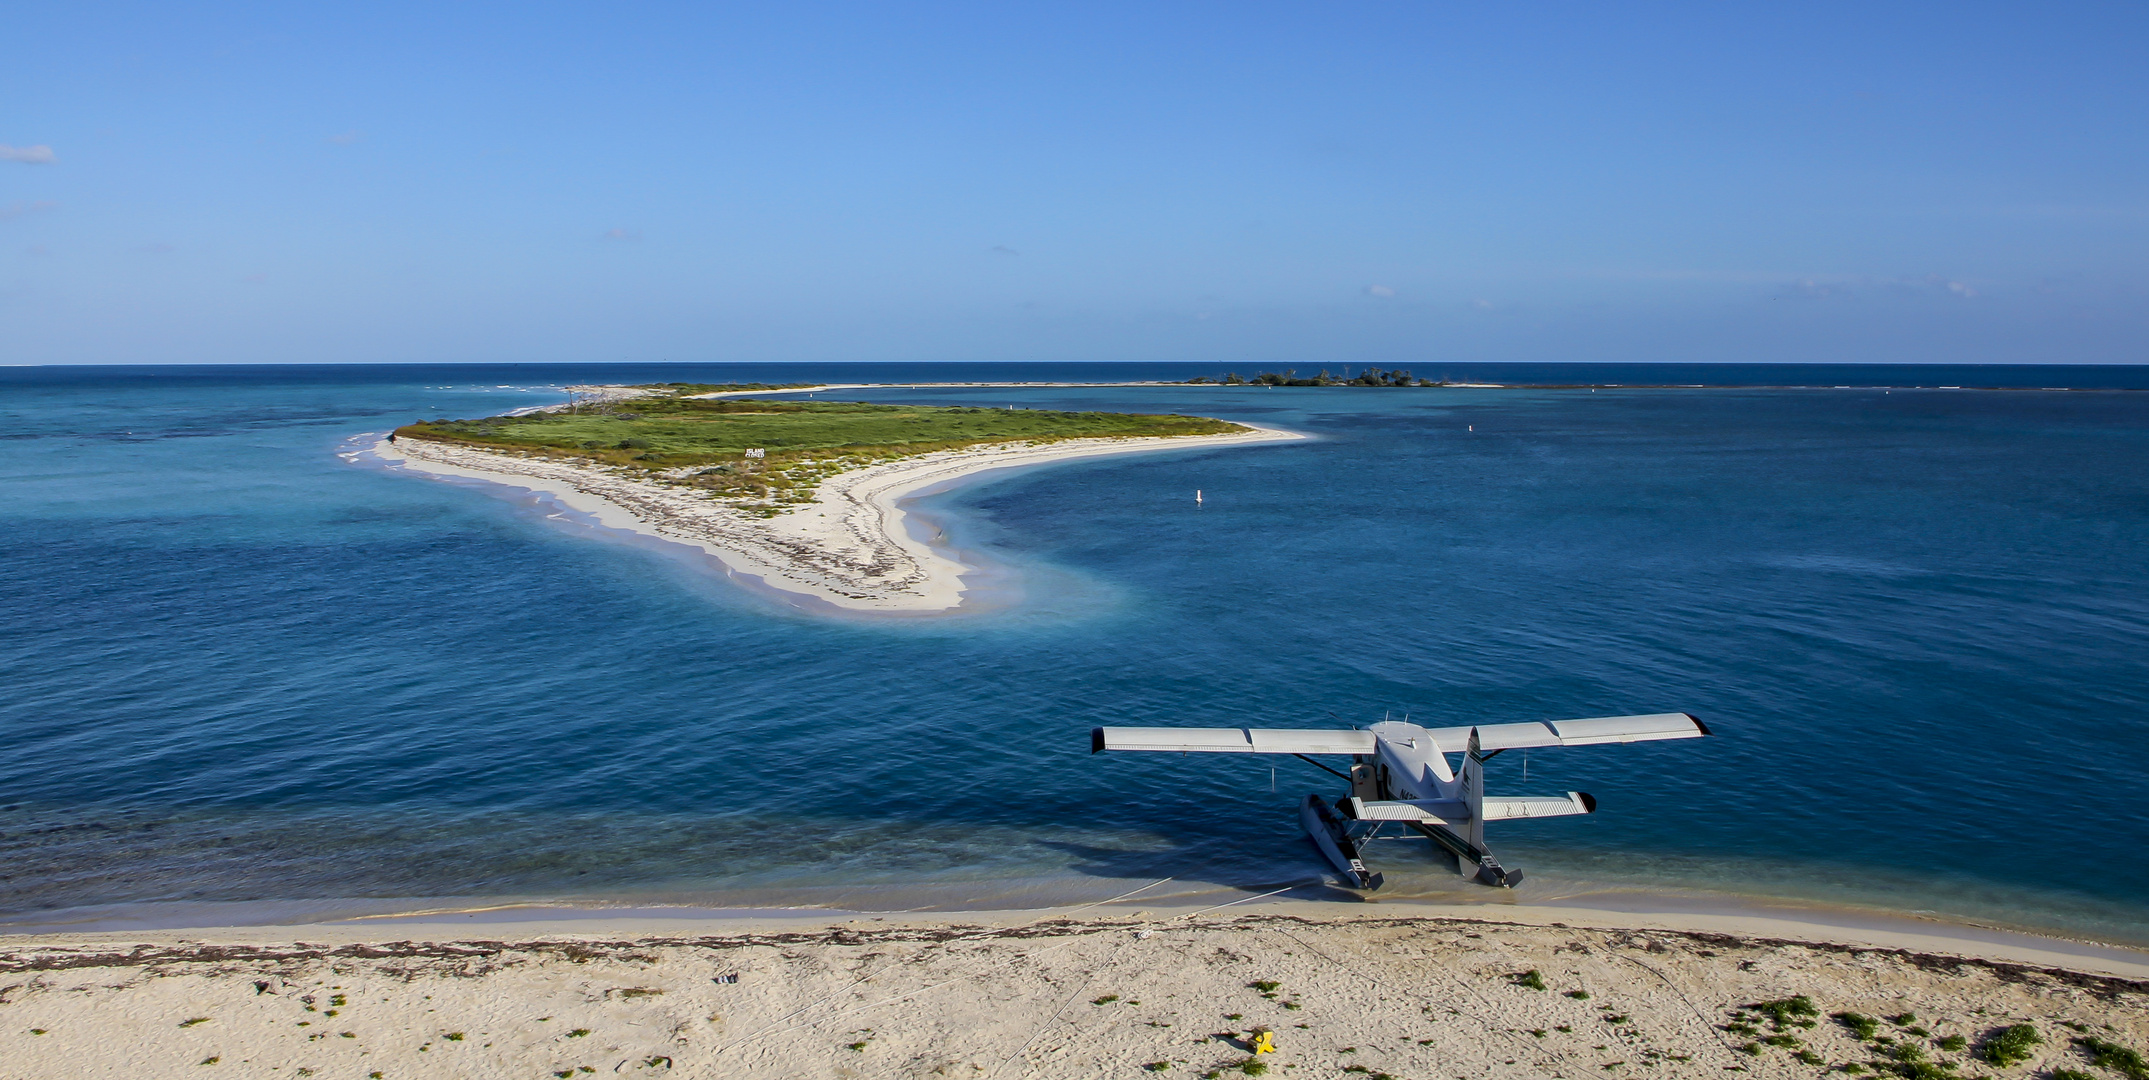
[[1473, 793]]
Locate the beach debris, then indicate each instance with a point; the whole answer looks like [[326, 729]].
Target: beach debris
[[726, 979], [1264, 1041]]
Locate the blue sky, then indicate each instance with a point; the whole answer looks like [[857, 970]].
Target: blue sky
[[1386, 183]]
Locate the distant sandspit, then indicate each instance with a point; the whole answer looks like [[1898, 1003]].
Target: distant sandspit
[[848, 548], [1388, 991]]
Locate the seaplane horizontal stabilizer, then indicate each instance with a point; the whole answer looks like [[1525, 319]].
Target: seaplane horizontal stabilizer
[[1451, 811]]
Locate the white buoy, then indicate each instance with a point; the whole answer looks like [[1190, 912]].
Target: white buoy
[[1197, 496]]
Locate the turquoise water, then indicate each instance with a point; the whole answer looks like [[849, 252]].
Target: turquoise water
[[241, 670]]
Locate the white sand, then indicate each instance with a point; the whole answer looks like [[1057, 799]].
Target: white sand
[[848, 548], [1392, 992]]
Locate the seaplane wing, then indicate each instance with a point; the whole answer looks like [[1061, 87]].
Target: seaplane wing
[[1231, 740], [1590, 732], [1595, 731]]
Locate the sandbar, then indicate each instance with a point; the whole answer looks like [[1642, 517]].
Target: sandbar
[[848, 549]]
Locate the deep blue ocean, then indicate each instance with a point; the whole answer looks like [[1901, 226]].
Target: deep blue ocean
[[241, 670]]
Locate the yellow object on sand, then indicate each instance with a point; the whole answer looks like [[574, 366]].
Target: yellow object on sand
[[1264, 1042]]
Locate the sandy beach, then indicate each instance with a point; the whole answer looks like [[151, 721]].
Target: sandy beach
[[1400, 991], [849, 549]]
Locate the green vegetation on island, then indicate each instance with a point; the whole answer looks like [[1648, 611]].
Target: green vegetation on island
[[765, 454], [1371, 376]]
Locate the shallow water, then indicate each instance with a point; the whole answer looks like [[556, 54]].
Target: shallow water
[[241, 669]]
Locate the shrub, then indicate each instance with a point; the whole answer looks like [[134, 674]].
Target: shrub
[[1531, 979], [2011, 1045], [1865, 1027], [1785, 1012], [2114, 1056]]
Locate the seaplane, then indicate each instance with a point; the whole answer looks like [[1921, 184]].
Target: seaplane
[[1400, 774]]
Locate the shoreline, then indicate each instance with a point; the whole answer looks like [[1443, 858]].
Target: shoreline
[[1085, 991], [1604, 907], [848, 550]]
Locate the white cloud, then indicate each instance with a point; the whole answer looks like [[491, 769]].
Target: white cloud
[[1379, 290], [28, 155], [1481, 304], [1960, 289]]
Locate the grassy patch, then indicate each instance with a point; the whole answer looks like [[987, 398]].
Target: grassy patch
[[1531, 979]]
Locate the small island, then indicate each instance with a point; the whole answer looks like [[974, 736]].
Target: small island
[[801, 495]]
